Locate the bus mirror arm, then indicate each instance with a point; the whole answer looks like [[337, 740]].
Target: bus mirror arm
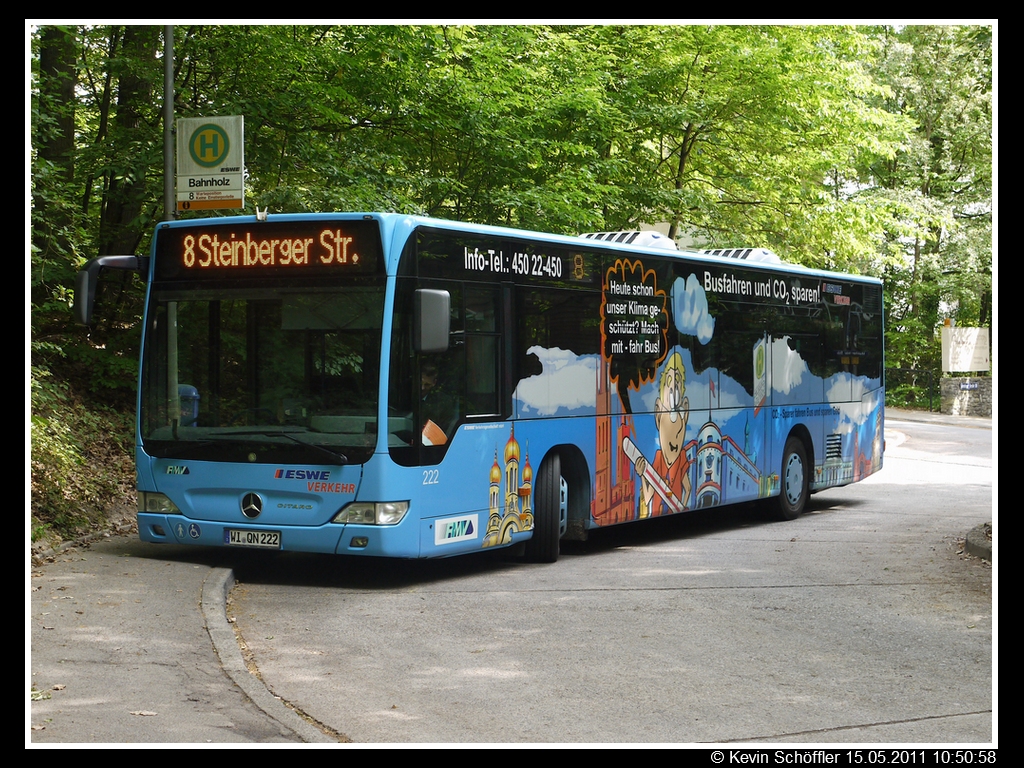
[[85, 281], [431, 320]]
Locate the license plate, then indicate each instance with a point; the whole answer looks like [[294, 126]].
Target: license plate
[[261, 539]]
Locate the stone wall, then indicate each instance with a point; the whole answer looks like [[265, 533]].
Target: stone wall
[[966, 395]]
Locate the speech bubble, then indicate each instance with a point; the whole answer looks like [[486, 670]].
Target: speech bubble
[[634, 326]]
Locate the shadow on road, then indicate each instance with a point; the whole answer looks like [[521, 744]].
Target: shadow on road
[[294, 568]]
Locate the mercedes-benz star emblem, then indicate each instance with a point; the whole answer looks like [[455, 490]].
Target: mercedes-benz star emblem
[[252, 505]]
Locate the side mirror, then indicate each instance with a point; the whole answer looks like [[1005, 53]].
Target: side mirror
[[85, 281], [431, 320]]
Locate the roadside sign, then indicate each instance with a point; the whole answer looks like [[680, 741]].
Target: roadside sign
[[211, 161], [965, 349]]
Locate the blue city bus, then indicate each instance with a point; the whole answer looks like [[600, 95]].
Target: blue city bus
[[398, 386]]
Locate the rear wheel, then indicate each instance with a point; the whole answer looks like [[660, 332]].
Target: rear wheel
[[547, 506], [795, 480]]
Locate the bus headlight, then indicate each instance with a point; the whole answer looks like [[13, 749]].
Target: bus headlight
[[372, 513], [391, 512], [156, 502]]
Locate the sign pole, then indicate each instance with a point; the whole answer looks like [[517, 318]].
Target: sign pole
[[169, 212]]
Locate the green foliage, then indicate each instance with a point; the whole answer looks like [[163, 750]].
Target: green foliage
[[754, 135], [938, 233], [80, 459]]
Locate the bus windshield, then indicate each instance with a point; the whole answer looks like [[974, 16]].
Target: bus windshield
[[262, 374]]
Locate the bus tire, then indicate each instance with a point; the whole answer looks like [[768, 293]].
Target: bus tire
[[543, 547], [794, 479]]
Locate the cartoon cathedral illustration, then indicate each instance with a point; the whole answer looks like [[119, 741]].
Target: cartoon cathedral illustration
[[614, 486], [514, 512], [721, 469]]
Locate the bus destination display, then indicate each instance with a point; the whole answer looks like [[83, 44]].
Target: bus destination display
[[293, 248]]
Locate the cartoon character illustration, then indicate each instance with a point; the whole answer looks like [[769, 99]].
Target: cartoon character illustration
[[666, 480]]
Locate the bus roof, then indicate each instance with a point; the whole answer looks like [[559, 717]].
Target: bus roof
[[648, 241]]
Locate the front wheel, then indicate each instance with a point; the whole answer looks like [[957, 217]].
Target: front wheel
[[547, 505], [795, 480]]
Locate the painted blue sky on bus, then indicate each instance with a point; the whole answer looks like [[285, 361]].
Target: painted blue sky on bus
[[568, 382], [568, 386]]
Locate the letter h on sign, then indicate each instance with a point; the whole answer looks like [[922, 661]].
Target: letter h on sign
[[211, 145]]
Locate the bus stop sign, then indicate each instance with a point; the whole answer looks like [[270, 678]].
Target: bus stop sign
[[210, 163]]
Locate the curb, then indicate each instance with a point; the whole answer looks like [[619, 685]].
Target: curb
[[215, 594], [39, 553], [979, 542]]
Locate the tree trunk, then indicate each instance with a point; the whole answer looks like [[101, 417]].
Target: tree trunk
[[54, 142], [124, 191]]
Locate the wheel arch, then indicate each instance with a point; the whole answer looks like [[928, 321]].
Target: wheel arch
[[802, 433], [576, 474], [786, 505]]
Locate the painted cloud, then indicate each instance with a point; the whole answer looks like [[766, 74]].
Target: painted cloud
[[567, 381], [690, 309]]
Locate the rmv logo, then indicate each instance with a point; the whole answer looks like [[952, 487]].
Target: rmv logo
[[458, 529], [455, 529]]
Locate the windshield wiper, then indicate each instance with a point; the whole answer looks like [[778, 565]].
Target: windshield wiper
[[342, 458]]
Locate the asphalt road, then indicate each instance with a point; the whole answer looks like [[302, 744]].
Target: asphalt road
[[860, 622]]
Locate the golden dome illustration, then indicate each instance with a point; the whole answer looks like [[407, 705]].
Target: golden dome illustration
[[512, 448]]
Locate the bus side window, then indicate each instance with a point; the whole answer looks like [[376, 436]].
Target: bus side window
[[483, 351]]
